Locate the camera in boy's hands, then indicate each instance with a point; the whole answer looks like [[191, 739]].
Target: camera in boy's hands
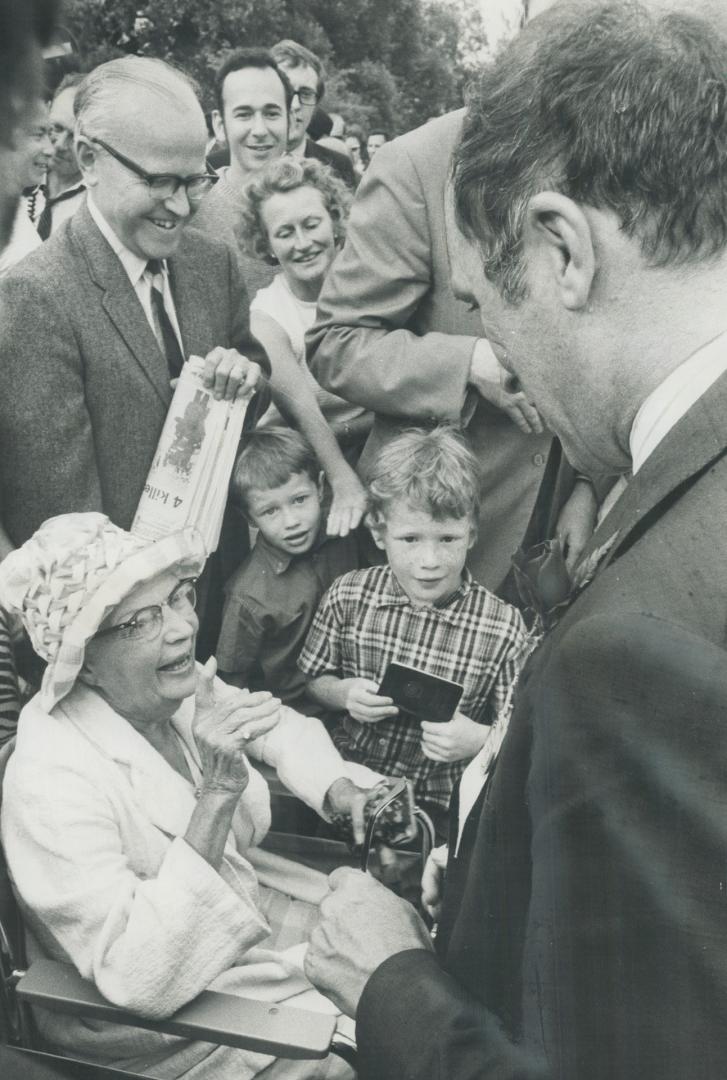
[[423, 696]]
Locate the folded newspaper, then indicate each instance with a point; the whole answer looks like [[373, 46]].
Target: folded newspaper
[[190, 474]]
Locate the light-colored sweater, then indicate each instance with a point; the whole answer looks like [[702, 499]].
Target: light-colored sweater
[[218, 216]]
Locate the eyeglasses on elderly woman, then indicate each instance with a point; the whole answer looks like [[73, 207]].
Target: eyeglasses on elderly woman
[[146, 623]]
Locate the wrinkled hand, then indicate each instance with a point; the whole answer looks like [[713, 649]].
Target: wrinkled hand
[[433, 882], [576, 522], [364, 704], [496, 385], [459, 739], [223, 727], [349, 503], [229, 374], [362, 924], [344, 798]]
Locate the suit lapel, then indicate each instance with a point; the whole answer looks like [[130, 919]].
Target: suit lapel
[[121, 302], [189, 290], [697, 440]]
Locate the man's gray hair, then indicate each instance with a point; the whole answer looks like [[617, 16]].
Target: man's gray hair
[[617, 105], [103, 94]]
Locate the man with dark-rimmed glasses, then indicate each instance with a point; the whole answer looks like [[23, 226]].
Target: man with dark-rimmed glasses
[[306, 75], [98, 325]]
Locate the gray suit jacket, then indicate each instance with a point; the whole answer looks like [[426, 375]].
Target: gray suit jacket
[[391, 336], [84, 387]]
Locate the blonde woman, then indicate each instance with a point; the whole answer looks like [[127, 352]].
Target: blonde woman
[[294, 216]]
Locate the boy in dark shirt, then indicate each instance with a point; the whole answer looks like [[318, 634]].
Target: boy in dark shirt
[[271, 599]]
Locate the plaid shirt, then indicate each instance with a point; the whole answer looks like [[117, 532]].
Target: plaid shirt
[[366, 620]]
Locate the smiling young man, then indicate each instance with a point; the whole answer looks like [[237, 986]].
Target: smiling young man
[[253, 100], [98, 321]]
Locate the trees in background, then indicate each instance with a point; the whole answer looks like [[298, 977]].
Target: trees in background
[[392, 63]]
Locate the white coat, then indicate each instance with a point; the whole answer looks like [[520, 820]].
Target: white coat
[[92, 825]]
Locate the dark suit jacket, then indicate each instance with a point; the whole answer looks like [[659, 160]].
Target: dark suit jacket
[[84, 387], [584, 934], [340, 164]]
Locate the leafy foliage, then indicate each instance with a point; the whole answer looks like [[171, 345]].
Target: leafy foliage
[[392, 63]]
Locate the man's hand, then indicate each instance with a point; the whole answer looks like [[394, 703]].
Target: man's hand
[[348, 505], [362, 924], [496, 385], [577, 521], [458, 740], [229, 374], [364, 703]]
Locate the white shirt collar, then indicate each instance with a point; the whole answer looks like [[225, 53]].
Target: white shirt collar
[[133, 264], [674, 397]]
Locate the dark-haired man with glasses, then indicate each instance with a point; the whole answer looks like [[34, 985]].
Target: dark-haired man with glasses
[[98, 322]]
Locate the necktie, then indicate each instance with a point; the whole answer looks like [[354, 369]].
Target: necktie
[[169, 340], [45, 221]]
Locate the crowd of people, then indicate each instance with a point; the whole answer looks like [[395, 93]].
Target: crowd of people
[[486, 369]]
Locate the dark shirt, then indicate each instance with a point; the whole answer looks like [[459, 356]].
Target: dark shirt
[[270, 602]]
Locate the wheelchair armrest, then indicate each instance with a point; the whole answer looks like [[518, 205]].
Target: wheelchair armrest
[[211, 1017]]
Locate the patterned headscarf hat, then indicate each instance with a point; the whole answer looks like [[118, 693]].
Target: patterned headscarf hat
[[71, 574]]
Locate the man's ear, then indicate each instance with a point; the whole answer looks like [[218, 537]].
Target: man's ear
[[86, 156], [558, 237], [218, 126]]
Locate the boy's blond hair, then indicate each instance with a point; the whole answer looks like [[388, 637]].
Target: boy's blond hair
[[432, 469]]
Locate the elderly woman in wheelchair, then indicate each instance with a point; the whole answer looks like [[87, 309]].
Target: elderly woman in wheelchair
[[131, 812]]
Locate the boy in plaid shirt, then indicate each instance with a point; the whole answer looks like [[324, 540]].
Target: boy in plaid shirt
[[424, 610]]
